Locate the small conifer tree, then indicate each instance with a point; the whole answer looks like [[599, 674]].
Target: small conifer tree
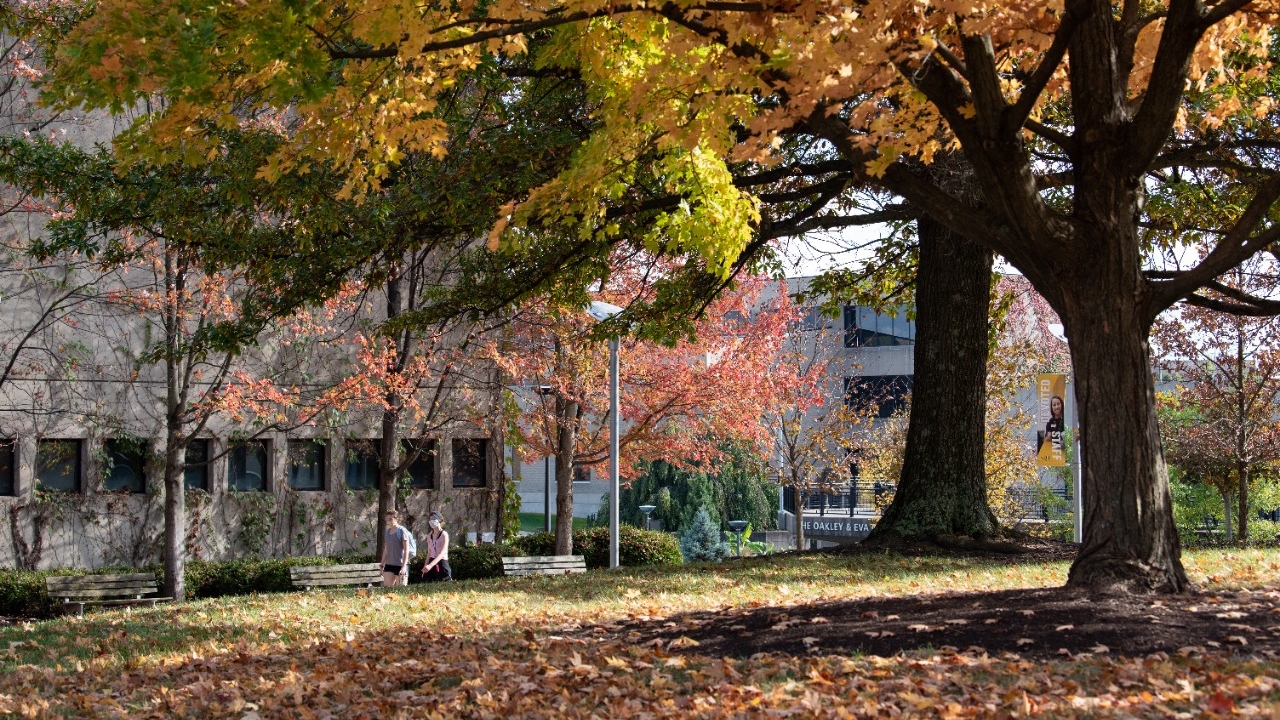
[[702, 540]]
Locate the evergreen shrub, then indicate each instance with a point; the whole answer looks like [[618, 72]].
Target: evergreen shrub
[[701, 541]]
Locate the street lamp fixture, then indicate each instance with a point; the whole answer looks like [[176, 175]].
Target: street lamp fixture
[[647, 510], [602, 311], [738, 526]]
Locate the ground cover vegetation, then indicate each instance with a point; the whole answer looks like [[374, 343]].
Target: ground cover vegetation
[[979, 636]]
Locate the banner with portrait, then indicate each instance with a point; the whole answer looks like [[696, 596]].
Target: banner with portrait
[[1051, 413]]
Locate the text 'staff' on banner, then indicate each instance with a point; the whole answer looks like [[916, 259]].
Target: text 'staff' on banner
[[1051, 403]]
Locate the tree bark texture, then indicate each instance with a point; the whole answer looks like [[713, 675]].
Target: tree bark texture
[[388, 451], [943, 490], [1130, 541], [568, 413], [175, 518]]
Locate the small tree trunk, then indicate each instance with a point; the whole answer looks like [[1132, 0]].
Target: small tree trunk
[[175, 518], [801, 498], [568, 413], [1130, 541], [1227, 533], [943, 489], [389, 446], [1242, 496]]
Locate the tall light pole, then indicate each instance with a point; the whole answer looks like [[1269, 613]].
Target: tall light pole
[[602, 311], [544, 391], [1058, 331]]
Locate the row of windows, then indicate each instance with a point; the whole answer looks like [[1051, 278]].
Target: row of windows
[[59, 465]]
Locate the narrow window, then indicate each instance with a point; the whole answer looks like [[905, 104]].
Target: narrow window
[[421, 454], [249, 469], [126, 466], [470, 462], [363, 466], [8, 483], [306, 465], [196, 474], [58, 465]]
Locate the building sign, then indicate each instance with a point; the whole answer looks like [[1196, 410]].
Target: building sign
[[1051, 403], [838, 529]]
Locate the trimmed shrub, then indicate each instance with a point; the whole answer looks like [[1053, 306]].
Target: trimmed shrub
[[23, 593], [468, 562], [702, 540], [539, 543], [248, 575], [636, 547]]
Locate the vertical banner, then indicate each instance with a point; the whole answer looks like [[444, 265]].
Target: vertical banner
[[1051, 400]]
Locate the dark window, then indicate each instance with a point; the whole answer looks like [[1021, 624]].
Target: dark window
[[249, 469], [196, 474], [470, 462], [422, 468], [581, 474], [58, 465], [306, 465], [864, 327], [362, 464], [888, 394], [126, 466], [8, 485]]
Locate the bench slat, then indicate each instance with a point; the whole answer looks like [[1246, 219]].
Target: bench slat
[[108, 580], [543, 559], [543, 565], [309, 576], [321, 570], [340, 582], [115, 592]]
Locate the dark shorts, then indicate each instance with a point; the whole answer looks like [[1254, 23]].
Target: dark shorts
[[393, 569], [440, 573]]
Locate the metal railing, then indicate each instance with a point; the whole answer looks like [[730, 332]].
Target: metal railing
[[870, 497]]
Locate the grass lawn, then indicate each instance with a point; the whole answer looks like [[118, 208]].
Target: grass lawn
[[551, 647], [532, 522]]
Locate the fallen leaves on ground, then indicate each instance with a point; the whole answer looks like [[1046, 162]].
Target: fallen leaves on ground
[[564, 649]]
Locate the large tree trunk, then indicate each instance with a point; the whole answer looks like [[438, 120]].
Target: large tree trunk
[[801, 497], [1130, 541], [943, 491]]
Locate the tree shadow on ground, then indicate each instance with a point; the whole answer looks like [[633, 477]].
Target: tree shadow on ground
[[1037, 623]]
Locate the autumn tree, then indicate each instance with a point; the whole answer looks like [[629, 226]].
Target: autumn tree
[[1222, 424], [676, 401]]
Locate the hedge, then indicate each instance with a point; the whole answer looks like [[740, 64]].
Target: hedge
[[636, 547], [23, 594]]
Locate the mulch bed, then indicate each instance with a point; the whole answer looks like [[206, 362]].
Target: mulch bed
[[1037, 623]]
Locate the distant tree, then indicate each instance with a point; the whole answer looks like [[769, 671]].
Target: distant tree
[[736, 488], [711, 384], [1221, 424], [701, 540]]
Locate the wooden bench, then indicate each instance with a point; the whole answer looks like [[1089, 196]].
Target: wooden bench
[[544, 565], [76, 591], [309, 576]]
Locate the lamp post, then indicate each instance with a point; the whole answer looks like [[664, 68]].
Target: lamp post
[[1058, 331], [602, 311], [647, 510], [544, 391], [738, 526]]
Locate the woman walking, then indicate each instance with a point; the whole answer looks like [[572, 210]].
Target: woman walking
[[437, 568]]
